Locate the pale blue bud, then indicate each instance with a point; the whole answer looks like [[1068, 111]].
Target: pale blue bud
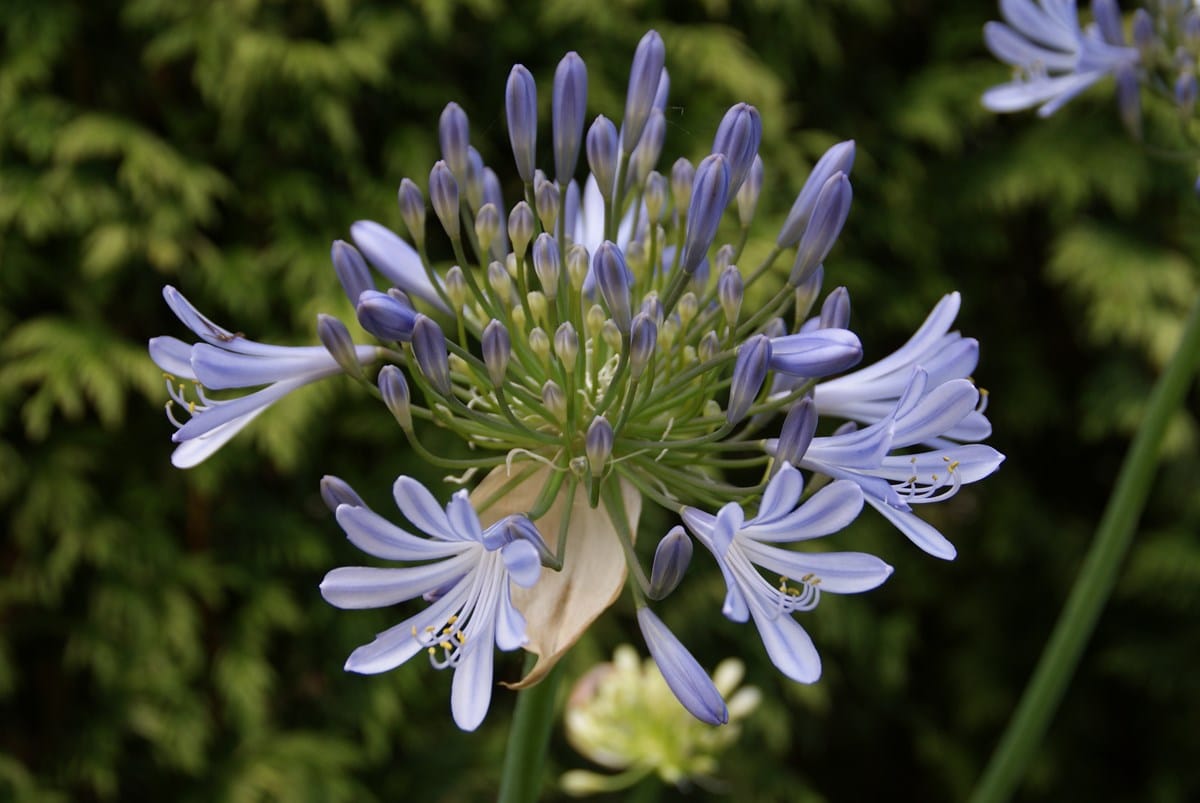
[[738, 138], [546, 196], [335, 337], [797, 432], [568, 109], [839, 158], [520, 228], [612, 278], [429, 349], [655, 196], [749, 372], [835, 312], [473, 183], [602, 154], [554, 400], [577, 266], [454, 137], [643, 337], [645, 155], [351, 270], [644, 77], [1129, 100], [710, 346], [598, 444], [664, 89], [1108, 20], [686, 679], [394, 389], [456, 287], [412, 210], [539, 344], [487, 225], [710, 192], [336, 492], [671, 559], [828, 216], [682, 177], [500, 281], [807, 292], [497, 351], [747, 196], [729, 293], [1144, 37], [520, 104], [384, 316], [547, 264], [443, 194]]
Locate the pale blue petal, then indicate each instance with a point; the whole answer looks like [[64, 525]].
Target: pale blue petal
[[939, 411], [1017, 50], [1055, 30], [396, 260], [510, 624], [684, 675], [780, 497], [817, 353], [471, 691], [838, 572], [522, 561], [397, 644], [210, 332], [353, 587], [420, 507], [829, 510], [788, 645], [173, 356], [195, 451], [218, 368], [974, 461], [729, 521], [920, 532], [464, 521], [205, 421], [862, 448], [699, 522], [377, 536]]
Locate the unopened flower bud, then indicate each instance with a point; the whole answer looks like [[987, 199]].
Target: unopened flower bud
[[709, 348], [611, 335], [595, 320], [520, 228], [577, 266], [535, 302], [539, 344], [797, 432], [546, 196], [612, 279], [652, 306], [337, 341], [682, 177], [723, 258], [646, 154], [838, 159], [1144, 37], [454, 138], [687, 307], [709, 194], [671, 559], [749, 372], [520, 104], [429, 349], [546, 263], [497, 351], [729, 293], [1185, 92], [351, 270], [643, 337], [655, 196], [412, 210], [835, 312], [568, 110], [807, 291], [473, 186], [456, 287], [566, 346], [384, 316], [669, 332], [394, 390], [602, 155], [598, 444], [738, 138], [335, 492], [500, 282], [554, 400], [443, 193], [747, 196], [828, 216], [487, 225], [644, 77]]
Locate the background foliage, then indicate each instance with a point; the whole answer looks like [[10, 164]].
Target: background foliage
[[160, 631]]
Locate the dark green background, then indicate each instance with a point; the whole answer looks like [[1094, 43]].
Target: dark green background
[[161, 635]]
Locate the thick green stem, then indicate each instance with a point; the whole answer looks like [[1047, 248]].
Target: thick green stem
[[527, 742], [1096, 578]]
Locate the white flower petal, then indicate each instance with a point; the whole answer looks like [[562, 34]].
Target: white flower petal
[[356, 587], [377, 536]]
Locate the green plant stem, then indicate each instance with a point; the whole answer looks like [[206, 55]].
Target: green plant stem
[[1096, 578], [521, 781]]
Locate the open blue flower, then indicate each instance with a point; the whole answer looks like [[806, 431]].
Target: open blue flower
[[743, 547], [463, 570], [228, 360]]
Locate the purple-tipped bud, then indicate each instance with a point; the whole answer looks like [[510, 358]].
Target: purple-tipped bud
[[384, 316], [520, 104], [412, 210], [500, 282], [497, 350], [1144, 37], [683, 175], [456, 287], [652, 306], [443, 194], [612, 278], [568, 109], [566, 346], [473, 183], [807, 292], [547, 198], [336, 492], [429, 348], [655, 196], [394, 389], [828, 217], [797, 432], [663, 92], [671, 559], [747, 197], [337, 341], [816, 353], [643, 337], [835, 312], [729, 293], [602, 155], [738, 138], [710, 192], [487, 225], [749, 372], [838, 159], [351, 270], [520, 228], [598, 444], [645, 155], [644, 77], [710, 346], [577, 266], [547, 264], [454, 138], [1185, 94], [686, 679], [554, 400]]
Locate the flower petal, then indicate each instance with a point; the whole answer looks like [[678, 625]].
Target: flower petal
[[355, 587], [836, 572], [522, 561], [788, 645], [829, 510], [471, 690], [396, 260], [920, 532], [421, 508], [377, 536]]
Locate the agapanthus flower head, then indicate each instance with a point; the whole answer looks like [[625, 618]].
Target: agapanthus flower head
[[602, 345], [1055, 58]]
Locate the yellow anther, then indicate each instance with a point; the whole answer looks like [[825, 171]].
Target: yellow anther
[[952, 466], [445, 645], [414, 631], [452, 619], [192, 407], [461, 637], [432, 652]]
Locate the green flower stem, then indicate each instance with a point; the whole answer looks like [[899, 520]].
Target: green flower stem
[[1096, 578], [521, 781]]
